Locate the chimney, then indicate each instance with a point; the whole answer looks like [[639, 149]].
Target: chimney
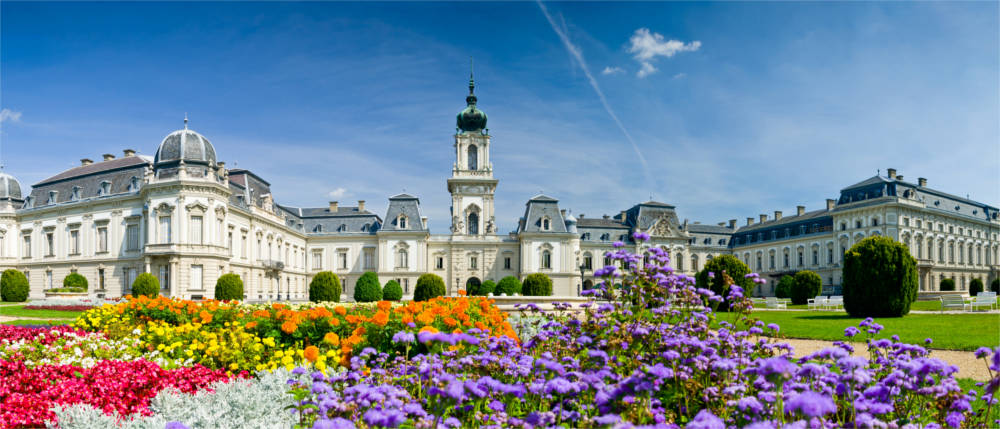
[[777, 215], [732, 223], [361, 205], [581, 216], [721, 224], [563, 212], [108, 157], [86, 161], [221, 165], [606, 217], [623, 215], [830, 203], [763, 218], [333, 206], [129, 152], [922, 182], [892, 173], [749, 221], [423, 222], [800, 210], [899, 177]]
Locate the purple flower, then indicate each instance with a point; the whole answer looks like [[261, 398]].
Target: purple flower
[[811, 404], [776, 368], [176, 425], [706, 420], [335, 423], [403, 337], [983, 352], [640, 236], [851, 331], [773, 326], [618, 244]]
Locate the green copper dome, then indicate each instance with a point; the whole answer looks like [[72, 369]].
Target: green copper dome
[[471, 118]]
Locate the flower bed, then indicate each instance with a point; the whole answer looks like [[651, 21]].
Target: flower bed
[[59, 307]]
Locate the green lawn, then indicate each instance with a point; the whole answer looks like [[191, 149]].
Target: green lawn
[[19, 311], [968, 384], [934, 305], [949, 331], [40, 322]]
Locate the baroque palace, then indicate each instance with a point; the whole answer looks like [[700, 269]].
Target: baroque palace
[[186, 218]]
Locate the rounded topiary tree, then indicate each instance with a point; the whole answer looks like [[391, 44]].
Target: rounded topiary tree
[[229, 287], [509, 286], [947, 285], [146, 284], [428, 286], [368, 288], [13, 286], [784, 287], [392, 291], [325, 286], [486, 288], [75, 280], [975, 286], [879, 278], [734, 269], [995, 285], [808, 284], [537, 284]]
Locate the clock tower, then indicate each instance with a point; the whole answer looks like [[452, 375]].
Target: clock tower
[[472, 184]]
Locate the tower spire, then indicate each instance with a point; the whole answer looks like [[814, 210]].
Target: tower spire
[[472, 81], [185, 120]]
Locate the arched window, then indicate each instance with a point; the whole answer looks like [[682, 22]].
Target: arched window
[[402, 222], [473, 223], [546, 224], [694, 262], [473, 157], [402, 259], [546, 259]]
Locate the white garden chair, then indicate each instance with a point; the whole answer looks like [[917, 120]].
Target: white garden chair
[[817, 303], [774, 303], [835, 302]]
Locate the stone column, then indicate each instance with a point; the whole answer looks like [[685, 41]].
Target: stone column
[[174, 272]]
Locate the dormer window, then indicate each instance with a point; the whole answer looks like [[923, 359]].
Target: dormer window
[[364, 228], [133, 184], [318, 228], [401, 222], [53, 195], [342, 228], [546, 224], [76, 194], [105, 188], [29, 202]]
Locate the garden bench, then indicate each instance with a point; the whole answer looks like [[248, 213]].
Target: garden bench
[[774, 303], [835, 302], [984, 299], [817, 303], [953, 302]]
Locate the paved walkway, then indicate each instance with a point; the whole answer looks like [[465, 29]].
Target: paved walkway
[[968, 365]]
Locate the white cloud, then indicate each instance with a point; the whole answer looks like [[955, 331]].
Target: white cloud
[[9, 115], [337, 193], [680, 75], [647, 46], [612, 70]]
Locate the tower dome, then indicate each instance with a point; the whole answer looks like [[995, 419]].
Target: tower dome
[[185, 145], [10, 189], [471, 118]]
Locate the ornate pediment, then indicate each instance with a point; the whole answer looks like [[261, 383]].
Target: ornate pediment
[[662, 228]]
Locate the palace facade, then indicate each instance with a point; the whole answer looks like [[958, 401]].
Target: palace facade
[[186, 218]]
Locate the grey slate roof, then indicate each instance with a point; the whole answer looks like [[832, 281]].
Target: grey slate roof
[[346, 220], [88, 179], [185, 145], [99, 167], [787, 220], [9, 187], [536, 209], [709, 229], [644, 215], [407, 205]]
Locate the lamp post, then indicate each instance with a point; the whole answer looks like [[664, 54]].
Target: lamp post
[[583, 272]]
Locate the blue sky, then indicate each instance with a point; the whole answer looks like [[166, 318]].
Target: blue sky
[[725, 110]]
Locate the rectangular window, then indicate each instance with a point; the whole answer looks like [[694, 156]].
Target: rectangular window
[[506, 263], [100, 279], [26, 247], [229, 243], [829, 255], [474, 262], [164, 277], [74, 242], [130, 274], [132, 236], [317, 263], [588, 262], [196, 229], [164, 229], [219, 230], [440, 263], [196, 278], [342, 257], [800, 258], [102, 239], [50, 242], [369, 259], [815, 257], [48, 279], [243, 246], [406, 285]]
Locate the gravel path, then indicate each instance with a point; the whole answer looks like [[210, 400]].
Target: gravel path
[[968, 365]]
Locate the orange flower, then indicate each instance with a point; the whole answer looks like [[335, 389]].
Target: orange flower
[[462, 292], [407, 319], [425, 318], [311, 353], [334, 322], [340, 310], [430, 329], [331, 339], [289, 327], [251, 325], [380, 318], [277, 306], [205, 316], [450, 321], [261, 313], [480, 326]]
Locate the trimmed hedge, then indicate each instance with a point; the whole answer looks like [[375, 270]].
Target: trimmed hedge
[[734, 269], [808, 284], [537, 284], [229, 287], [879, 278], [975, 286], [13, 286], [368, 288], [995, 285], [75, 280], [428, 286], [509, 286], [947, 285], [146, 284], [325, 286], [392, 291], [487, 288], [784, 288]]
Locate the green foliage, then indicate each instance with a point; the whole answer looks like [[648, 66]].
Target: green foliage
[[368, 288], [537, 284], [509, 286], [487, 288], [733, 268], [13, 286], [879, 278], [975, 286], [75, 280], [68, 289], [784, 288], [325, 286], [808, 284], [995, 285], [392, 291], [472, 286], [947, 285], [229, 287], [428, 286], [146, 284]]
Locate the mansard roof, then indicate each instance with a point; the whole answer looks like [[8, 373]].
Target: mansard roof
[[127, 162], [709, 229], [540, 207], [807, 217], [405, 205], [89, 180]]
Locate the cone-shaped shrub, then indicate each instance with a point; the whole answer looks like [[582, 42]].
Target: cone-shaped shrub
[[325, 286], [229, 287], [14, 286], [428, 286], [537, 284], [879, 278], [146, 284], [368, 289], [392, 291]]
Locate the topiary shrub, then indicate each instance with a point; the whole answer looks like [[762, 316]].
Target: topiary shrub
[[734, 269], [509, 286], [75, 280], [146, 284], [392, 291], [995, 285], [368, 288], [879, 278], [13, 286], [808, 284], [472, 286], [537, 284], [229, 287], [325, 286], [975, 286], [428, 286], [487, 288], [784, 288], [947, 285]]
